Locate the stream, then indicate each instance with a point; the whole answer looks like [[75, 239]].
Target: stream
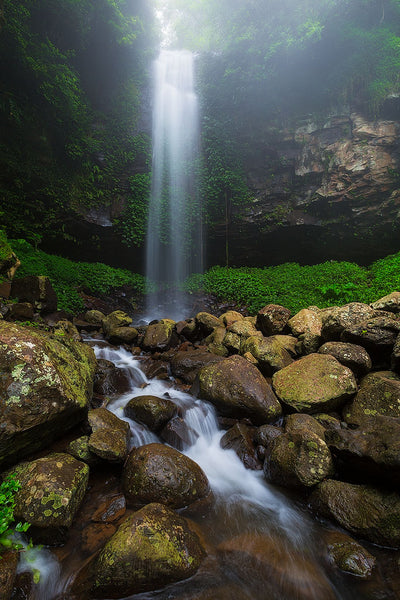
[[261, 544]]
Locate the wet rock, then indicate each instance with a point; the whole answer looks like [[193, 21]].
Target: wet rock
[[390, 303], [314, 383], [307, 325], [178, 434], [298, 460], [377, 335], [371, 452], [237, 389], [95, 535], [206, 323], [116, 319], [238, 333], [159, 336], [8, 572], [79, 449], [327, 421], [159, 473], [272, 319], [269, 352], [299, 423], [95, 317], [348, 555], [109, 380], [339, 318], [265, 434], [379, 394], [21, 311], [186, 365], [352, 356], [110, 435], [215, 342], [152, 547], [240, 438], [280, 574], [123, 335], [110, 510], [52, 489], [363, 510], [36, 290], [230, 317], [395, 357], [45, 386], [65, 327], [187, 329], [151, 411]]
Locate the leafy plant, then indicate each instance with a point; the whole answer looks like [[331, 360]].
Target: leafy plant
[[8, 488]]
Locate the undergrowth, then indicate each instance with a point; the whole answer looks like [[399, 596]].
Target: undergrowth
[[69, 277], [296, 286]]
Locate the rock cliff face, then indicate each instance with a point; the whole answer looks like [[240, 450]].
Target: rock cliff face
[[325, 189]]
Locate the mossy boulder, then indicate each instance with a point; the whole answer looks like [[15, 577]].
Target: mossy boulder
[[152, 548], [269, 352], [94, 317], [206, 323], [123, 335], [52, 489], [371, 452], [237, 389], [272, 319], [390, 303], [348, 555], [339, 318], [379, 394], [215, 342], [79, 448], [110, 435], [230, 317], [377, 335], [152, 411], [109, 380], [159, 473], [46, 383], [300, 422], [352, 356], [159, 336], [298, 460], [364, 510], [314, 383], [186, 365], [116, 319]]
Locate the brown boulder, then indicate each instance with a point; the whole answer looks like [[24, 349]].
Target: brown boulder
[[352, 356], [159, 473], [36, 290], [237, 389], [151, 411], [186, 365], [240, 438], [272, 319], [379, 394]]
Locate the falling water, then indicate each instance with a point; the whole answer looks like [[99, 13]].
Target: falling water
[[174, 236]]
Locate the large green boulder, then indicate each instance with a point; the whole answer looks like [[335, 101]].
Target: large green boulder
[[159, 336], [379, 394], [152, 548], [110, 435], [300, 459], [46, 383], [237, 389], [158, 473], [270, 353], [364, 510], [114, 320], [52, 489], [315, 383]]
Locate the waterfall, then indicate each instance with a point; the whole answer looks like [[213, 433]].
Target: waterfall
[[174, 234]]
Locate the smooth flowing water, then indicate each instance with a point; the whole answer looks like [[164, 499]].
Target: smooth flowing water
[[263, 546], [174, 234]]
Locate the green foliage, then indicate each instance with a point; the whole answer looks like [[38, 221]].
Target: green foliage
[[68, 277], [296, 287], [132, 222], [69, 104], [7, 504]]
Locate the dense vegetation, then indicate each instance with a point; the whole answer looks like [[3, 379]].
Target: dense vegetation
[[71, 85], [290, 284], [69, 278]]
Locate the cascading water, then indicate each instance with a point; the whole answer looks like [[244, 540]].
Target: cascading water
[[174, 233]]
